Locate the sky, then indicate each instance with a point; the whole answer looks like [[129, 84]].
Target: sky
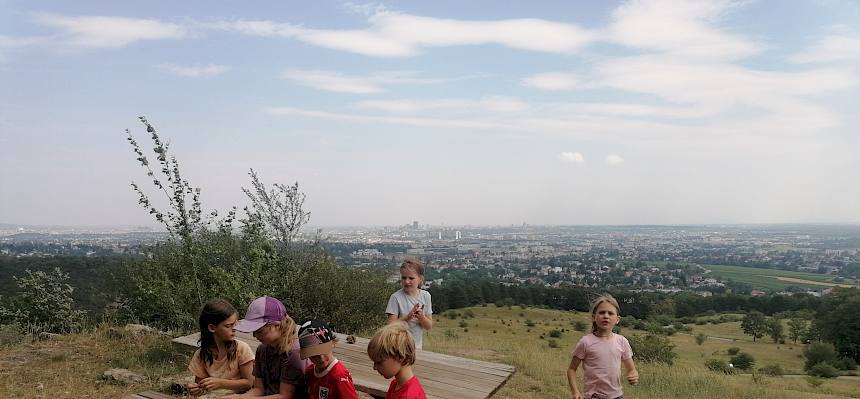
[[442, 112]]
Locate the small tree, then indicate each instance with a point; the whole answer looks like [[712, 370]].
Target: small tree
[[743, 361], [796, 328], [775, 329], [280, 209], [653, 349], [754, 324]]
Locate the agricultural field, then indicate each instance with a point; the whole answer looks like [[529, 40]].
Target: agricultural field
[[772, 279]]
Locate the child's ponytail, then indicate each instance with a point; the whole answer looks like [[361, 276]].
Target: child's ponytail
[[289, 335]]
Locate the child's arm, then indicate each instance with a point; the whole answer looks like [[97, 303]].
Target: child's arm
[[254, 392], [571, 377], [247, 380], [425, 321], [632, 374]]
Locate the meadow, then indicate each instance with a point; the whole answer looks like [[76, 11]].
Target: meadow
[[769, 279], [70, 366]]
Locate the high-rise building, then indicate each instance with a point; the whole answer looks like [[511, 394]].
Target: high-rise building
[[458, 235], [415, 224]]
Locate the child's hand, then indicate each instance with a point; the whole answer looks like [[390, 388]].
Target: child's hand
[[576, 395], [194, 389], [633, 377], [209, 384]]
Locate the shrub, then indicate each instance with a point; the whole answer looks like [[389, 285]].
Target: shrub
[[773, 370], [555, 334], [846, 364], [814, 382], [823, 370], [818, 352], [743, 361], [579, 325], [718, 365], [469, 314], [530, 323], [552, 343], [44, 303], [463, 324], [452, 314], [701, 338], [450, 334], [10, 334], [653, 348], [733, 350]]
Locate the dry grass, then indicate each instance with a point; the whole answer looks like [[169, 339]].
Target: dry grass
[[541, 369], [71, 366]]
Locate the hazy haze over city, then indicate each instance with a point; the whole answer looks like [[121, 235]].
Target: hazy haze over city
[[483, 113]]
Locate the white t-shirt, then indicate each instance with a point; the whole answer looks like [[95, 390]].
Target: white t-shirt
[[400, 304]]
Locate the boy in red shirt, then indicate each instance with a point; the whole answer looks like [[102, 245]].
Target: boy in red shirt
[[327, 377], [392, 350]]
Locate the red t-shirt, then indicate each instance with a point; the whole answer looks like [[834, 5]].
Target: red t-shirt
[[410, 390], [334, 382]]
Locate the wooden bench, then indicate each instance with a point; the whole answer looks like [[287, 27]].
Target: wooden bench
[[148, 395], [442, 376]]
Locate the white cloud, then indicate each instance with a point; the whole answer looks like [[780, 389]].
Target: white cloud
[[491, 104], [680, 28], [552, 81], [393, 34], [832, 48], [207, 71], [414, 121], [571, 157], [614, 160], [358, 84], [98, 31]]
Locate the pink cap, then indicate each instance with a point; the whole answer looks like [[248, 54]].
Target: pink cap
[[262, 311]]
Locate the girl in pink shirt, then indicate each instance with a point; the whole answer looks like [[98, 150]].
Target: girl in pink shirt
[[602, 353]]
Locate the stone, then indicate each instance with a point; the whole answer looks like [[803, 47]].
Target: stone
[[123, 376]]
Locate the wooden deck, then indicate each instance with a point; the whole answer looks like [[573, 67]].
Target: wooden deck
[[442, 376]]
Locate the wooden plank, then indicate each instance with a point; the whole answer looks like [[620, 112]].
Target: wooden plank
[[442, 376], [149, 395]]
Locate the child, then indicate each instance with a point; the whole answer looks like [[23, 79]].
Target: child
[[410, 303], [392, 350], [327, 377], [602, 353], [279, 369], [222, 362]]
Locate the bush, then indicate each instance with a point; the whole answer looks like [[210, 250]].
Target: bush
[[719, 365], [555, 334], [743, 361], [823, 370], [44, 303], [452, 314], [733, 350], [818, 352], [530, 323], [701, 338], [653, 349], [552, 343], [846, 364], [10, 334], [469, 314], [579, 325], [773, 370], [463, 324]]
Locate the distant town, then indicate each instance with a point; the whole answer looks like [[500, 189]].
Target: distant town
[[704, 259]]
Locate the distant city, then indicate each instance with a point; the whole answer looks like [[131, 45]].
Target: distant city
[[703, 259]]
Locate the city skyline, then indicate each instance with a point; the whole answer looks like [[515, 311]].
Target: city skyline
[[549, 113]]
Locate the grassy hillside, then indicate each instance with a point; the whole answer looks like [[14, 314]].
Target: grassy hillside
[[69, 366], [501, 335]]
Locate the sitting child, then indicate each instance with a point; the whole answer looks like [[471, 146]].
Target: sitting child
[[392, 350], [327, 377], [222, 362]]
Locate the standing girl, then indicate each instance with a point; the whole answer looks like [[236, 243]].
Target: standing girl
[[410, 303], [602, 353], [222, 362], [279, 370]]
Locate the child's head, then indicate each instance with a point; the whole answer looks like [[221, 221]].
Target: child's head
[[217, 322], [605, 313], [411, 274], [267, 318], [391, 348], [317, 341]]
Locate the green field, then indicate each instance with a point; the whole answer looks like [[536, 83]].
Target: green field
[[768, 279]]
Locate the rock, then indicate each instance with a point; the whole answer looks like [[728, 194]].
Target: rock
[[123, 376], [139, 329]]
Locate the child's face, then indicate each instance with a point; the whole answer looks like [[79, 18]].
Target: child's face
[[268, 334], [321, 361], [224, 331], [605, 316], [409, 280], [388, 367]]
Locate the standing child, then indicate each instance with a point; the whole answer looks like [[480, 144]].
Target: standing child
[[602, 352], [327, 377], [222, 362], [392, 350], [279, 370], [410, 303]]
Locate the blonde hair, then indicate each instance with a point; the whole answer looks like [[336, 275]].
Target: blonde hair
[[414, 264], [596, 302], [392, 341], [288, 328]]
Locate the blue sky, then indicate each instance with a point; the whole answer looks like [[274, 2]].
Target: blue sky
[[483, 113]]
